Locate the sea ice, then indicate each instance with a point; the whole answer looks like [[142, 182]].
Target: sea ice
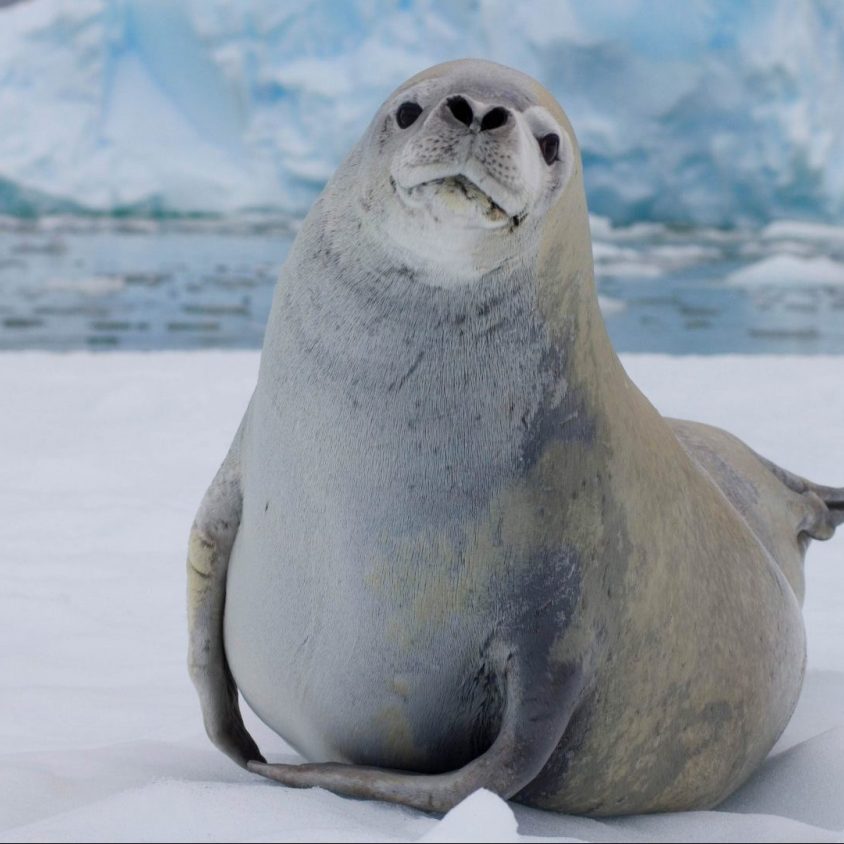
[[790, 270]]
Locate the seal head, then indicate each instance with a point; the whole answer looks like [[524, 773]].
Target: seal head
[[459, 168]]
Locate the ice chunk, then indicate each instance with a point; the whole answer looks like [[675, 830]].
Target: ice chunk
[[790, 270]]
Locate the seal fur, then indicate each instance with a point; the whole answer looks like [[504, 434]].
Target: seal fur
[[452, 545]]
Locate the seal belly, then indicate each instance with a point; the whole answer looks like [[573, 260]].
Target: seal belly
[[338, 670], [345, 683]]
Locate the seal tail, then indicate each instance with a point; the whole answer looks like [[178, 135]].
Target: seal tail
[[826, 510]]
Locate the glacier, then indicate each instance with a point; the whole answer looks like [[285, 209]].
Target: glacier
[[707, 112]]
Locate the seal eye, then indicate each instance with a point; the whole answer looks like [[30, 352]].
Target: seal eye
[[407, 114], [550, 146]]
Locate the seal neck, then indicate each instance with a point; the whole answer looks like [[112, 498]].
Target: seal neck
[[345, 296]]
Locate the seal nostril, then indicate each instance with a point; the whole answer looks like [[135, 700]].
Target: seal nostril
[[461, 110], [494, 118]]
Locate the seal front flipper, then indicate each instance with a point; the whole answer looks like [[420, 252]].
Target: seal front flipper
[[536, 713], [211, 539]]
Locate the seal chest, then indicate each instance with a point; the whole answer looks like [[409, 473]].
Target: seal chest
[[366, 548], [451, 542]]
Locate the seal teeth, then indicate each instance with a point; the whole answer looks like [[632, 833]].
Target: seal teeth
[[455, 193], [472, 192]]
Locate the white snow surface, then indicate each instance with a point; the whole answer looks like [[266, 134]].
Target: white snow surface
[[103, 461], [706, 111]]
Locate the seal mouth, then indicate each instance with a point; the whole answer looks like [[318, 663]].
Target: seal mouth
[[458, 196], [470, 191]]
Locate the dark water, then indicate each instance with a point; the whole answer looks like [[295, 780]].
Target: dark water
[[80, 284]]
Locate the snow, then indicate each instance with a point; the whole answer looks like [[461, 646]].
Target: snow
[[793, 270], [482, 816], [707, 112], [104, 460]]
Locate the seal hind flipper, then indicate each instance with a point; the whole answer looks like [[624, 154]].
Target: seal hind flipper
[[827, 502], [534, 721], [783, 510], [211, 539], [740, 472], [835, 505]]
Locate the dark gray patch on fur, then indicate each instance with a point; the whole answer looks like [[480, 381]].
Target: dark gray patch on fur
[[483, 696], [559, 418], [535, 605]]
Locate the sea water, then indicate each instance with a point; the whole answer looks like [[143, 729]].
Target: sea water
[[69, 283]]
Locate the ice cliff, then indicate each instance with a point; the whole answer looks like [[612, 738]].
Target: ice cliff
[[706, 111]]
